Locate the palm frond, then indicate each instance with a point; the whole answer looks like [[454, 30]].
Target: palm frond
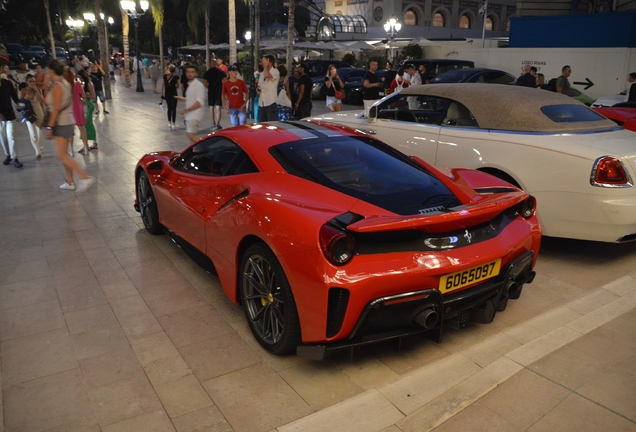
[[156, 7]]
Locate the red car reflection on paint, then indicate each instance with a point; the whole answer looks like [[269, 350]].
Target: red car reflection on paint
[[330, 239]]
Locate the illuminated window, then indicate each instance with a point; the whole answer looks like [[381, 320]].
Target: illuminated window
[[438, 20], [464, 22], [488, 24], [410, 17]]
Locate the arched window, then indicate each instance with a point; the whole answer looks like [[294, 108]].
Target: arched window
[[508, 26], [488, 24], [464, 22], [438, 20], [410, 17]]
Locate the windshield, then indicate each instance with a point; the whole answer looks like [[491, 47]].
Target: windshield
[[368, 170]]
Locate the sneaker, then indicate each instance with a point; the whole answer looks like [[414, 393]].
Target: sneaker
[[16, 163], [169, 124], [67, 186], [219, 127], [7, 161], [85, 184], [213, 126], [106, 112], [96, 111]]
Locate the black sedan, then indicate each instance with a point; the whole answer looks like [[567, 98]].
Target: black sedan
[[347, 75], [477, 75]]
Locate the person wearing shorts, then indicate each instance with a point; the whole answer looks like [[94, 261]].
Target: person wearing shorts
[[194, 102], [213, 80]]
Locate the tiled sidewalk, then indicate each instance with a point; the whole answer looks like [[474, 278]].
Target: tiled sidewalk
[[105, 327]]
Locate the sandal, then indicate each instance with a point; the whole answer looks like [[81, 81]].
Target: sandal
[[83, 151], [94, 147]]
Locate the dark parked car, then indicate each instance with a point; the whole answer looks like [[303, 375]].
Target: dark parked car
[[60, 53], [347, 75], [15, 54], [353, 89], [38, 50], [488, 76], [318, 68], [435, 67]]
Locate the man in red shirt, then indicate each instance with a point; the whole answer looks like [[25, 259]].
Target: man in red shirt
[[235, 97]]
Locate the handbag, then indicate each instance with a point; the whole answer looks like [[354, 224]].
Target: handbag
[[339, 95], [282, 98]]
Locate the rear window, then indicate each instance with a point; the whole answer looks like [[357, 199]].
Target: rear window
[[570, 114], [368, 170]]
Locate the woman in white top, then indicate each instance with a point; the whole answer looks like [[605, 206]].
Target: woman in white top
[[61, 125]]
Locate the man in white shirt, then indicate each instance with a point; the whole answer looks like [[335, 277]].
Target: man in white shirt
[[194, 102], [267, 85], [414, 76]]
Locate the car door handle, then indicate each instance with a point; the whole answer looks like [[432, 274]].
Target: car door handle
[[368, 131]]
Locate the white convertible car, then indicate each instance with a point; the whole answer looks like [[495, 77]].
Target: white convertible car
[[579, 165]]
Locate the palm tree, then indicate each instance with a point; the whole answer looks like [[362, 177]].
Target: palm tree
[[232, 17], [156, 7], [103, 45], [48, 20], [291, 17], [257, 32], [195, 9], [125, 27]]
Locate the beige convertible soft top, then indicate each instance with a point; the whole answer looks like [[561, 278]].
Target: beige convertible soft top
[[509, 107]]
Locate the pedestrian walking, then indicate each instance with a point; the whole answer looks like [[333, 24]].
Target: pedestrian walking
[[194, 102], [89, 95], [303, 105], [153, 70], [213, 81], [562, 82], [7, 115], [61, 126], [42, 80], [235, 97], [283, 101], [169, 94], [34, 96], [267, 85], [77, 94], [372, 87], [527, 79], [97, 76]]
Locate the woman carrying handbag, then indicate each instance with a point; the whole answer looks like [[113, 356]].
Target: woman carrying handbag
[[335, 89]]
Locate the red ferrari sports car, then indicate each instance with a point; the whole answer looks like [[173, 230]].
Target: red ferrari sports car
[[330, 239], [623, 116]]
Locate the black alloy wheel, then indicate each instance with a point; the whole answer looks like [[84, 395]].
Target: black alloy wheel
[[148, 205], [268, 302]]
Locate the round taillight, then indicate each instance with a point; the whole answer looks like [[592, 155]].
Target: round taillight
[[609, 172], [337, 246], [528, 207]]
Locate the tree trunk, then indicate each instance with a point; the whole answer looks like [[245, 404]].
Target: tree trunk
[[207, 38], [257, 33], [291, 16], [161, 66], [103, 47], [232, 16], [48, 20], [125, 30]]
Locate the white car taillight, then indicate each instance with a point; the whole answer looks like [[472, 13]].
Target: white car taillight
[[610, 172]]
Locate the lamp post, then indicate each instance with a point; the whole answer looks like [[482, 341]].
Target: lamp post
[[484, 11], [74, 25], [131, 9], [252, 94], [392, 27]]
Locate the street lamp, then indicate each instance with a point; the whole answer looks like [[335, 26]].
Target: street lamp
[[392, 27], [74, 25], [131, 9], [252, 94]]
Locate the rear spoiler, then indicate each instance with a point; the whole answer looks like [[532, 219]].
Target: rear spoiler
[[480, 211]]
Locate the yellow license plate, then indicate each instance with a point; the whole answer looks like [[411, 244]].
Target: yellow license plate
[[453, 281]]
